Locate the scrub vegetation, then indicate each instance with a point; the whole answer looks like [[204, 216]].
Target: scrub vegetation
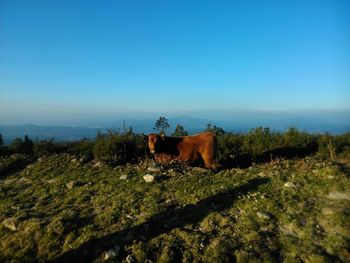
[[279, 197]]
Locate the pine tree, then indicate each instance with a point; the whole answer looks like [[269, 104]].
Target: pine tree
[[213, 128], [28, 145], [179, 131], [161, 125]]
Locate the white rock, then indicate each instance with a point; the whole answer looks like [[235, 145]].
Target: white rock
[[123, 177], [114, 252], [154, 168], [98, 164], [170, 202], [328, 211], [338, 196], [263, 215], [199, 170], [70, 184], [110, 254], [289, 185], [10, 223], [129, 259], [52, 181], [149, 178]]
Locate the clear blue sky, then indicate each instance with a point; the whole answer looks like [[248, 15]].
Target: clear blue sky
[[65, 57]]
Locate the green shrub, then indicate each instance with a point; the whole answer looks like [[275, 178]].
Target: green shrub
[[84, 149], [293, 138], [257, 142], [44, 147], [262, 145], [229, 147], [119, 148], [329, 146], [25, 146]]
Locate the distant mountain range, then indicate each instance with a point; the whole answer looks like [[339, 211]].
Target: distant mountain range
[[191, 124]]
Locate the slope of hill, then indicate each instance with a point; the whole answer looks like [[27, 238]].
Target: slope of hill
[[62, 210]]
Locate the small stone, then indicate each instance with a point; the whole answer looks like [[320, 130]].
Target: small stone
[[130, 259], [123, 177], [289, 185], [17, 208], [327, 211], [319, 165], [291, 230], [149, 178], [114, 252], [154, 168], [98, 164], [262, 174], [52, 181], [10, 223], [110, 254], [170, 202], [70, 184], [199, 170], [263, 215], [338, 196]]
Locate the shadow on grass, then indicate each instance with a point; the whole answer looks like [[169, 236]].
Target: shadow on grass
[[14, 167], [344, 169], [162, 223]]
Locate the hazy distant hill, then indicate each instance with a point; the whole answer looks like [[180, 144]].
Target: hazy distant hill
[[9, 132], [191, 124]]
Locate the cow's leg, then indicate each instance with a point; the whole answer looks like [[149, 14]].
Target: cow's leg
[[208, 159], [208, 162], [186, 157]]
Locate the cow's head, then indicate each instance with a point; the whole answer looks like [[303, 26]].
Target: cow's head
[[153, 141]]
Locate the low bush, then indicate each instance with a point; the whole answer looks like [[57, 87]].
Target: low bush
[[261, 145], [234, 149], [329, 146], [25, 146], [119, 148], [44, 147]]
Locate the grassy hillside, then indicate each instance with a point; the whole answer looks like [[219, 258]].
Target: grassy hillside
[[59, 209]]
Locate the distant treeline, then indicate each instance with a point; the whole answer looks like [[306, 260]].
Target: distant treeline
[[234, 149]]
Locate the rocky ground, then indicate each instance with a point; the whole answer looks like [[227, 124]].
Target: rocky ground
[[63, 209]]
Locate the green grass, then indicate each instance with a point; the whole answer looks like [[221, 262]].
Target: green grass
[[63, 210]]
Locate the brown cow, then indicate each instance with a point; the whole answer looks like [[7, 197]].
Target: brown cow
[[187, 148]]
